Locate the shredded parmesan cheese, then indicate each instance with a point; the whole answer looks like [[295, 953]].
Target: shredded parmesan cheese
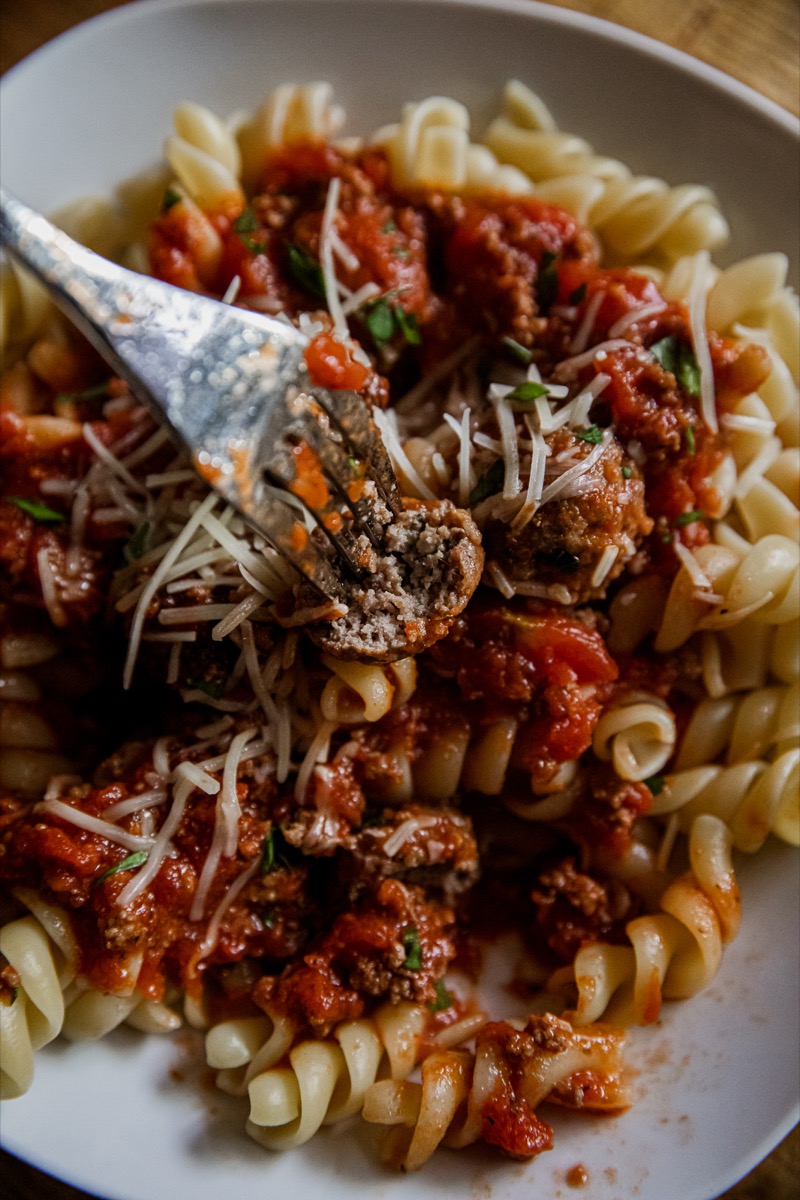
[[697, 325]]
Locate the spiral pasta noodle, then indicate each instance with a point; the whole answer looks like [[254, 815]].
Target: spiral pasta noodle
[[290, 114], [430, 147], [205, 156], [637, 736], [324, 1079], [753, 798], [633, 215], [458, 1089], [41, 951], [718, 586], [740, 726], [671, 954]]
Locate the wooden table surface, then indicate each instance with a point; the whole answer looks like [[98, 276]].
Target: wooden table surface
[[757, 41]]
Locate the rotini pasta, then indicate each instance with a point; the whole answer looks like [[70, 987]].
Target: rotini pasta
[[40, 950], [753, 798], [634, 216], [544, 345], [455, 1102], [326, 1080], [672, 954], [638, 736]]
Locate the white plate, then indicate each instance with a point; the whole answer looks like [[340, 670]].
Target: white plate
[[716, 1080]]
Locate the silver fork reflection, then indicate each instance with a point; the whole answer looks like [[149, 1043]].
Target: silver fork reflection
[[234, 389]]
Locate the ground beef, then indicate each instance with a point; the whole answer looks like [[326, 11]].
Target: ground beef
[[421, 845], [564, 541], [411, 593], [573, 908], [395, 944]]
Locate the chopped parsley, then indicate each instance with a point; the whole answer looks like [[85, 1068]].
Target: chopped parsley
[[546, 281], [384, 320], [275, 852], [517, 350], [688, 435], [127, 864], [443, 998], [407, 324], [209, 686], [98, 392], [306, 270], [593, 434], [688, 518], [170, 199], [389, 227], [39, 512], [526, 393], [627, 472], [379, 319], [678, 357], [413, 948], [401, 252], [489, 482], [137, 543], [656, 783], [245, 225]]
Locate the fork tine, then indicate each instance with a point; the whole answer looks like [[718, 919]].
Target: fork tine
[[233, 387], [351, 416], [319, 471]]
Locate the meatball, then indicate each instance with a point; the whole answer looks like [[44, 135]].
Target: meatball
[[566, 540], [409, 595]]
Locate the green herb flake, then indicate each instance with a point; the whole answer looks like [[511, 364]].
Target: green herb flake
[[212, 689], [401, 252], [656, 783], [39, 512], [517, 350], [275, 852], [306, 270], [688, 435], [593, 435], [677, 356], [526, 393], [407, 324], [489, 482], [137, 543], [128, 864], [666, 538], [546, 282], [689, 518], [627, 472], [268, 853], [245, 225], [389, 227], [579, 294], [98, 392], [380, 321], [413, 948], [443, 998], [170, 199]]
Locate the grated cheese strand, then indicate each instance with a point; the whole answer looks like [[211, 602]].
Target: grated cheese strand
[[131, 841], [697, 328], [158, 577], [326, 260], [160, 847]]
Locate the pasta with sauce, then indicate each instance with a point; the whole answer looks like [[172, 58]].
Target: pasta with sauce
[[284, 842]]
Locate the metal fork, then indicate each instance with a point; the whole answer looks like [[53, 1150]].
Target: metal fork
[[233, 387]]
